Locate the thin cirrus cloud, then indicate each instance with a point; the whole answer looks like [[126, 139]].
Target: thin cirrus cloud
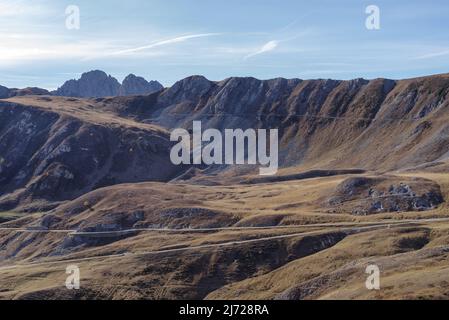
[[16, 50], [267, 47], [163, 43], [20, 8], [432, 55], [274, 44]]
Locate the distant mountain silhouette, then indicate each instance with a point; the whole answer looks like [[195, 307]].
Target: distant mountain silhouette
[[98, 84], [8, 93], [133, 85]]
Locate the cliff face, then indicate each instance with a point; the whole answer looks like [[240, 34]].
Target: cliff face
[[98, 84], [133, 85], [91, 84]]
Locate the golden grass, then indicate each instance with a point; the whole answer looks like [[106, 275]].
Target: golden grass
[[260, 270]]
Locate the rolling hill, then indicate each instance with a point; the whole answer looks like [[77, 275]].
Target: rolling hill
[[363, 179]]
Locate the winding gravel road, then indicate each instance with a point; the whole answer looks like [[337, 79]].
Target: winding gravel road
[[361, 227]]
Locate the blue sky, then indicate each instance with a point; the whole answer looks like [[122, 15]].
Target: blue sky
[[169, 40]]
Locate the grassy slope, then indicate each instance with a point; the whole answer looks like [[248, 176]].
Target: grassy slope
[[250, 270]]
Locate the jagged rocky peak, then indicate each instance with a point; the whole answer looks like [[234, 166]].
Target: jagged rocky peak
[[134, 85], [97, 84], [91, 84]]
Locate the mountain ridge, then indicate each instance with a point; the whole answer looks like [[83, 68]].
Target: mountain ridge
[[362, 180], [323, 124], [143, 87], [301, 109], [97, 83]]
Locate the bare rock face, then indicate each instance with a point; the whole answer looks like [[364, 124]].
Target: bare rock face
[[91, 84], [97, 84], [133, 85]]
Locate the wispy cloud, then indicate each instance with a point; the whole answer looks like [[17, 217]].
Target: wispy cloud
[[274, 44], [16, 51], [432, 55], [267, 47], [20, 8], [293, 23], [164, 43]]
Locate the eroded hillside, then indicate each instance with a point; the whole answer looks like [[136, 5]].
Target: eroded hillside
[[362, 180]]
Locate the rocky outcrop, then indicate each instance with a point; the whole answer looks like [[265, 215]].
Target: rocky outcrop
[[98, 84], [365, 195], [91, 84], [133, 85]]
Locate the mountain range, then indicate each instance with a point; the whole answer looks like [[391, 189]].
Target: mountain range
[[98, 84], [363, 179], [94, 84], [323, 124]]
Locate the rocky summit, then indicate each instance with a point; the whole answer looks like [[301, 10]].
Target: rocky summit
[[98, 84], [133, 85]]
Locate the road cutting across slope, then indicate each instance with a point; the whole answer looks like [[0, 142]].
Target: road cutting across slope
[[348, 230], [193, 230]]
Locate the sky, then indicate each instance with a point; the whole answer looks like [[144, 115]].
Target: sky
[[170, 40]]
